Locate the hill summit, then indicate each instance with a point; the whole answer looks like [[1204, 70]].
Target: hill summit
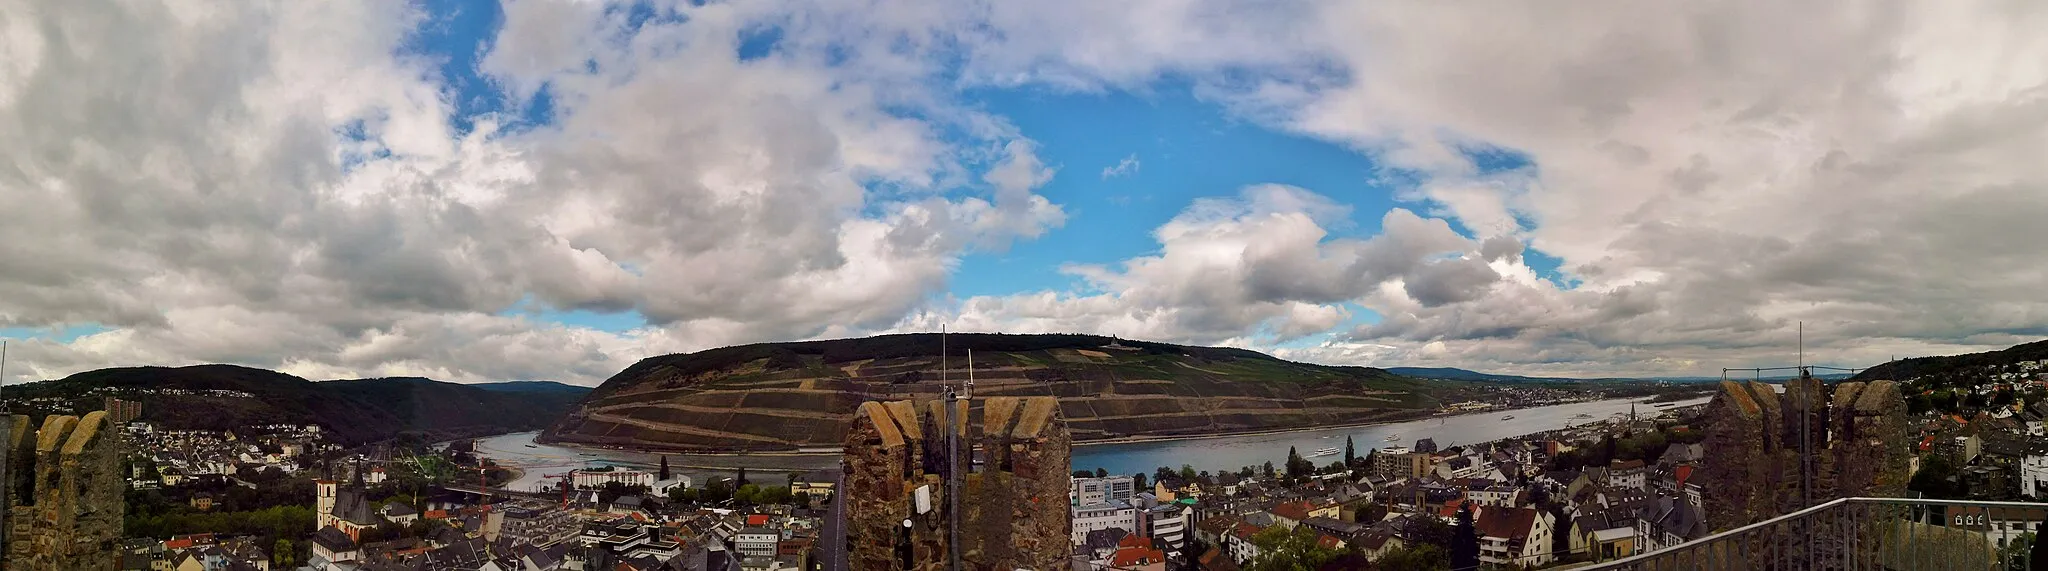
[[779, 396]]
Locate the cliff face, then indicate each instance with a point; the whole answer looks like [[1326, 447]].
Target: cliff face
[[791, 395]]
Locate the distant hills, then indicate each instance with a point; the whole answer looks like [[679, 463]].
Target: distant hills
[[219, 397], [1965, 370], [773, 396]]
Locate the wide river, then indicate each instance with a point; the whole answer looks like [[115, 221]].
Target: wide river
[[537, 461]]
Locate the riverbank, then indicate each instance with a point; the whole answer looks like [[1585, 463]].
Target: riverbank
[[816, 452]]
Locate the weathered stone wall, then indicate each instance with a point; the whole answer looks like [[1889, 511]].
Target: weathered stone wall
[[1013, 513], [65, 511], [1754, 468], [1753, 464]]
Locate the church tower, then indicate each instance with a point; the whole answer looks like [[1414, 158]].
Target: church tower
[[323, 503]]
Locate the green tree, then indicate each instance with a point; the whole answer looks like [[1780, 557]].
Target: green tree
[[741, 478], [747, 494], [1935, 478], [282, 554], [1430, 531], [1421, 557], [1187, 472], [1101, 473], [1268, 469], [716, 491], [1282, 549], [1138, 482], [1464, 541], [664, 468], [1350, 453], [773, 495]]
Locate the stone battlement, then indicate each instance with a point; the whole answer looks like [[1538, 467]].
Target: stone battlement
[[1013, 454], [63, 494], [1754, 468]]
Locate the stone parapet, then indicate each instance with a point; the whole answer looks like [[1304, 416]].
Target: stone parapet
[[1013, 513], [64, 500]]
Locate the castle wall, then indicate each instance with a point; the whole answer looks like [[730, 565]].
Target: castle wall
[[1013, 512], [64, 503]]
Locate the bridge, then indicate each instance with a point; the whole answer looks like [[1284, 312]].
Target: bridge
[[1900, 534], [502, 492]]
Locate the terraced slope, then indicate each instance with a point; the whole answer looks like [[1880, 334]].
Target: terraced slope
[[790, 395]]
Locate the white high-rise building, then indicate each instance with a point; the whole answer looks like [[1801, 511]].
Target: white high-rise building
[[1091, 491]]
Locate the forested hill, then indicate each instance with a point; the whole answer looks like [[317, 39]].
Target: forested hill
[[220, 397], [2004, 365], [791, 395]]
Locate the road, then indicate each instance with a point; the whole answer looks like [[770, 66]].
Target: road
[[834, 534]]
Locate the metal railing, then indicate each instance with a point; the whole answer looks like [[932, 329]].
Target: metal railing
[[1900, 534]]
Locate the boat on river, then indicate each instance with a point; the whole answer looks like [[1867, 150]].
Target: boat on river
[[1393, 437], [1324, 452], [1508, 417]]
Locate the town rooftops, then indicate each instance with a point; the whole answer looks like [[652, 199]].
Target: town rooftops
[[1134, 556], [1613, 534], [333, 539], [1297, 511], [1510, 523], [1105, 539]]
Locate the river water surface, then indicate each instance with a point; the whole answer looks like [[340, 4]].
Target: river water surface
[[537, 461]]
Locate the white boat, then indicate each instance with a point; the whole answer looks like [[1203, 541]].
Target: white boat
[[1324, 452], [1508, 417], [1582, 415], [1393, 437]]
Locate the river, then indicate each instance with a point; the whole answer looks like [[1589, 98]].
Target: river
[[536, 461], [1233, 452]]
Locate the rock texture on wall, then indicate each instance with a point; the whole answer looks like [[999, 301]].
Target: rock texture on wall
[[1768, 454], [1854, 444], [1013, 509], [65, 502]]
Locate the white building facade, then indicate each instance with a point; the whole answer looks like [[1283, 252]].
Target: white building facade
[[598, 478], [1103, 516], [1091, 491]]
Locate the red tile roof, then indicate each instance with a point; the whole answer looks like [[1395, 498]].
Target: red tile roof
[[1134, 540], [1511, 523], [1296, 511], [1245, 530], [1129, 556], [757, 519], [1327, 542]]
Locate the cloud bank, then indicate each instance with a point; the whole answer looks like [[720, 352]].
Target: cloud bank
[[1657, 188]]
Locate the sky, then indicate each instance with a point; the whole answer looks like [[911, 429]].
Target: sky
[[554, 189]]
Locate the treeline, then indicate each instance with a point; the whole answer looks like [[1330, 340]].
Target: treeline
[[280, 522]]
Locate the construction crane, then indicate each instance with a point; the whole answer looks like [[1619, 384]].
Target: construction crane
[[483, 482], [564, 487]]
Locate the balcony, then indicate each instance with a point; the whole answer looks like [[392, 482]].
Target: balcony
[[1898, 534]]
